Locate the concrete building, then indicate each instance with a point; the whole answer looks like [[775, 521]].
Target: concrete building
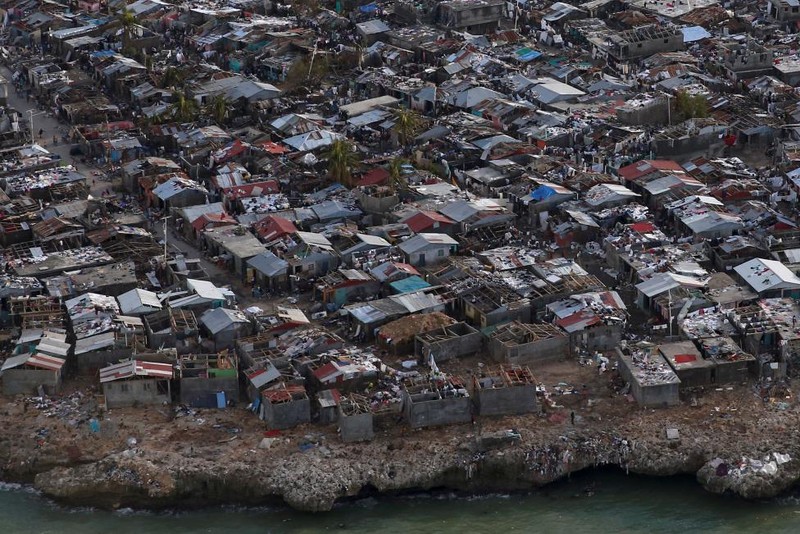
[[734, 366], [355, 419], [474, 16], [644, 41], [745, 61], [653, 382], [689, 365], [24, 373], [527, 344], [453, 341], [510, 390], [208, 380], [769, 278], [783, 10], [437, 403], [328, 401], [224, 326], [285, 406], [426, 249], [136, 382]]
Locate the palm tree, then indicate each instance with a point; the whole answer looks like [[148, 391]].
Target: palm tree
[[127, 19], [406, 125], [184, 109], [218, 108], [341, 159], [170, 78], [396, 179]]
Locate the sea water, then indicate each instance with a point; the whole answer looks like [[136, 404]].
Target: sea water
[[594, 501]]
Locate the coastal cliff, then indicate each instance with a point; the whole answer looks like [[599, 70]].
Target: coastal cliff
[[732, 441]]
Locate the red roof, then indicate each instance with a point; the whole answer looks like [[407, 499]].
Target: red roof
[[634, 171], [253, 189], [375, 176], [585, 316], [273, 148], [274, 227], [216, 219], [642, 227], [424, 220], [232, 150]]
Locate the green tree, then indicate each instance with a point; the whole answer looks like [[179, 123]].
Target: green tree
[[184, 108], [303, 73], [406, 126], [306, 7], [341, 158], [171, 77], [396, 179], [691, 106], [127, 19], [218, 108]]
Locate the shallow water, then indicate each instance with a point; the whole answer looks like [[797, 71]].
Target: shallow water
[[596, 501]]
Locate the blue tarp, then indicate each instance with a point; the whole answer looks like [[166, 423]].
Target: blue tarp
[[527, 54], [369, 8], [103, 53], [694, 33], [407, 285], [542, 192]]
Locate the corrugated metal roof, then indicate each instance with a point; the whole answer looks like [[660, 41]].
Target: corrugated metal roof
[[657, 285], [219, 319], [262, 377], [138, 301], [268, 264], [43, 361], [89, 344], [135, 368]]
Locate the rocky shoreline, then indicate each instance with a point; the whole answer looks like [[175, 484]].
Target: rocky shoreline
[[731, 441], [318, 479]]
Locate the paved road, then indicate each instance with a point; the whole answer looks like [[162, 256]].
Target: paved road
[[51, 127]]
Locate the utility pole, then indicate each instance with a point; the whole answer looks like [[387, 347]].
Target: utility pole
[[311, 63], [165, 219], [31, 115]]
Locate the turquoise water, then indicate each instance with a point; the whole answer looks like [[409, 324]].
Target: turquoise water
[[598, 502]]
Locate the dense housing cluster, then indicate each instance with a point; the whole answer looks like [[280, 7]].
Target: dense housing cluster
[[366, 212]]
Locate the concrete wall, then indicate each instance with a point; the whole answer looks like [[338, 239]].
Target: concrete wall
[[733, 372], [27, 381], [90, 362], [454, 347], [421, 410], [513, 400], [600, 337], [377, 205], [689, 144], [692, 377], [287, 414], [653, 113], [356, 427], [649, 396], [122, 393], [546, 350], [196, 391]]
